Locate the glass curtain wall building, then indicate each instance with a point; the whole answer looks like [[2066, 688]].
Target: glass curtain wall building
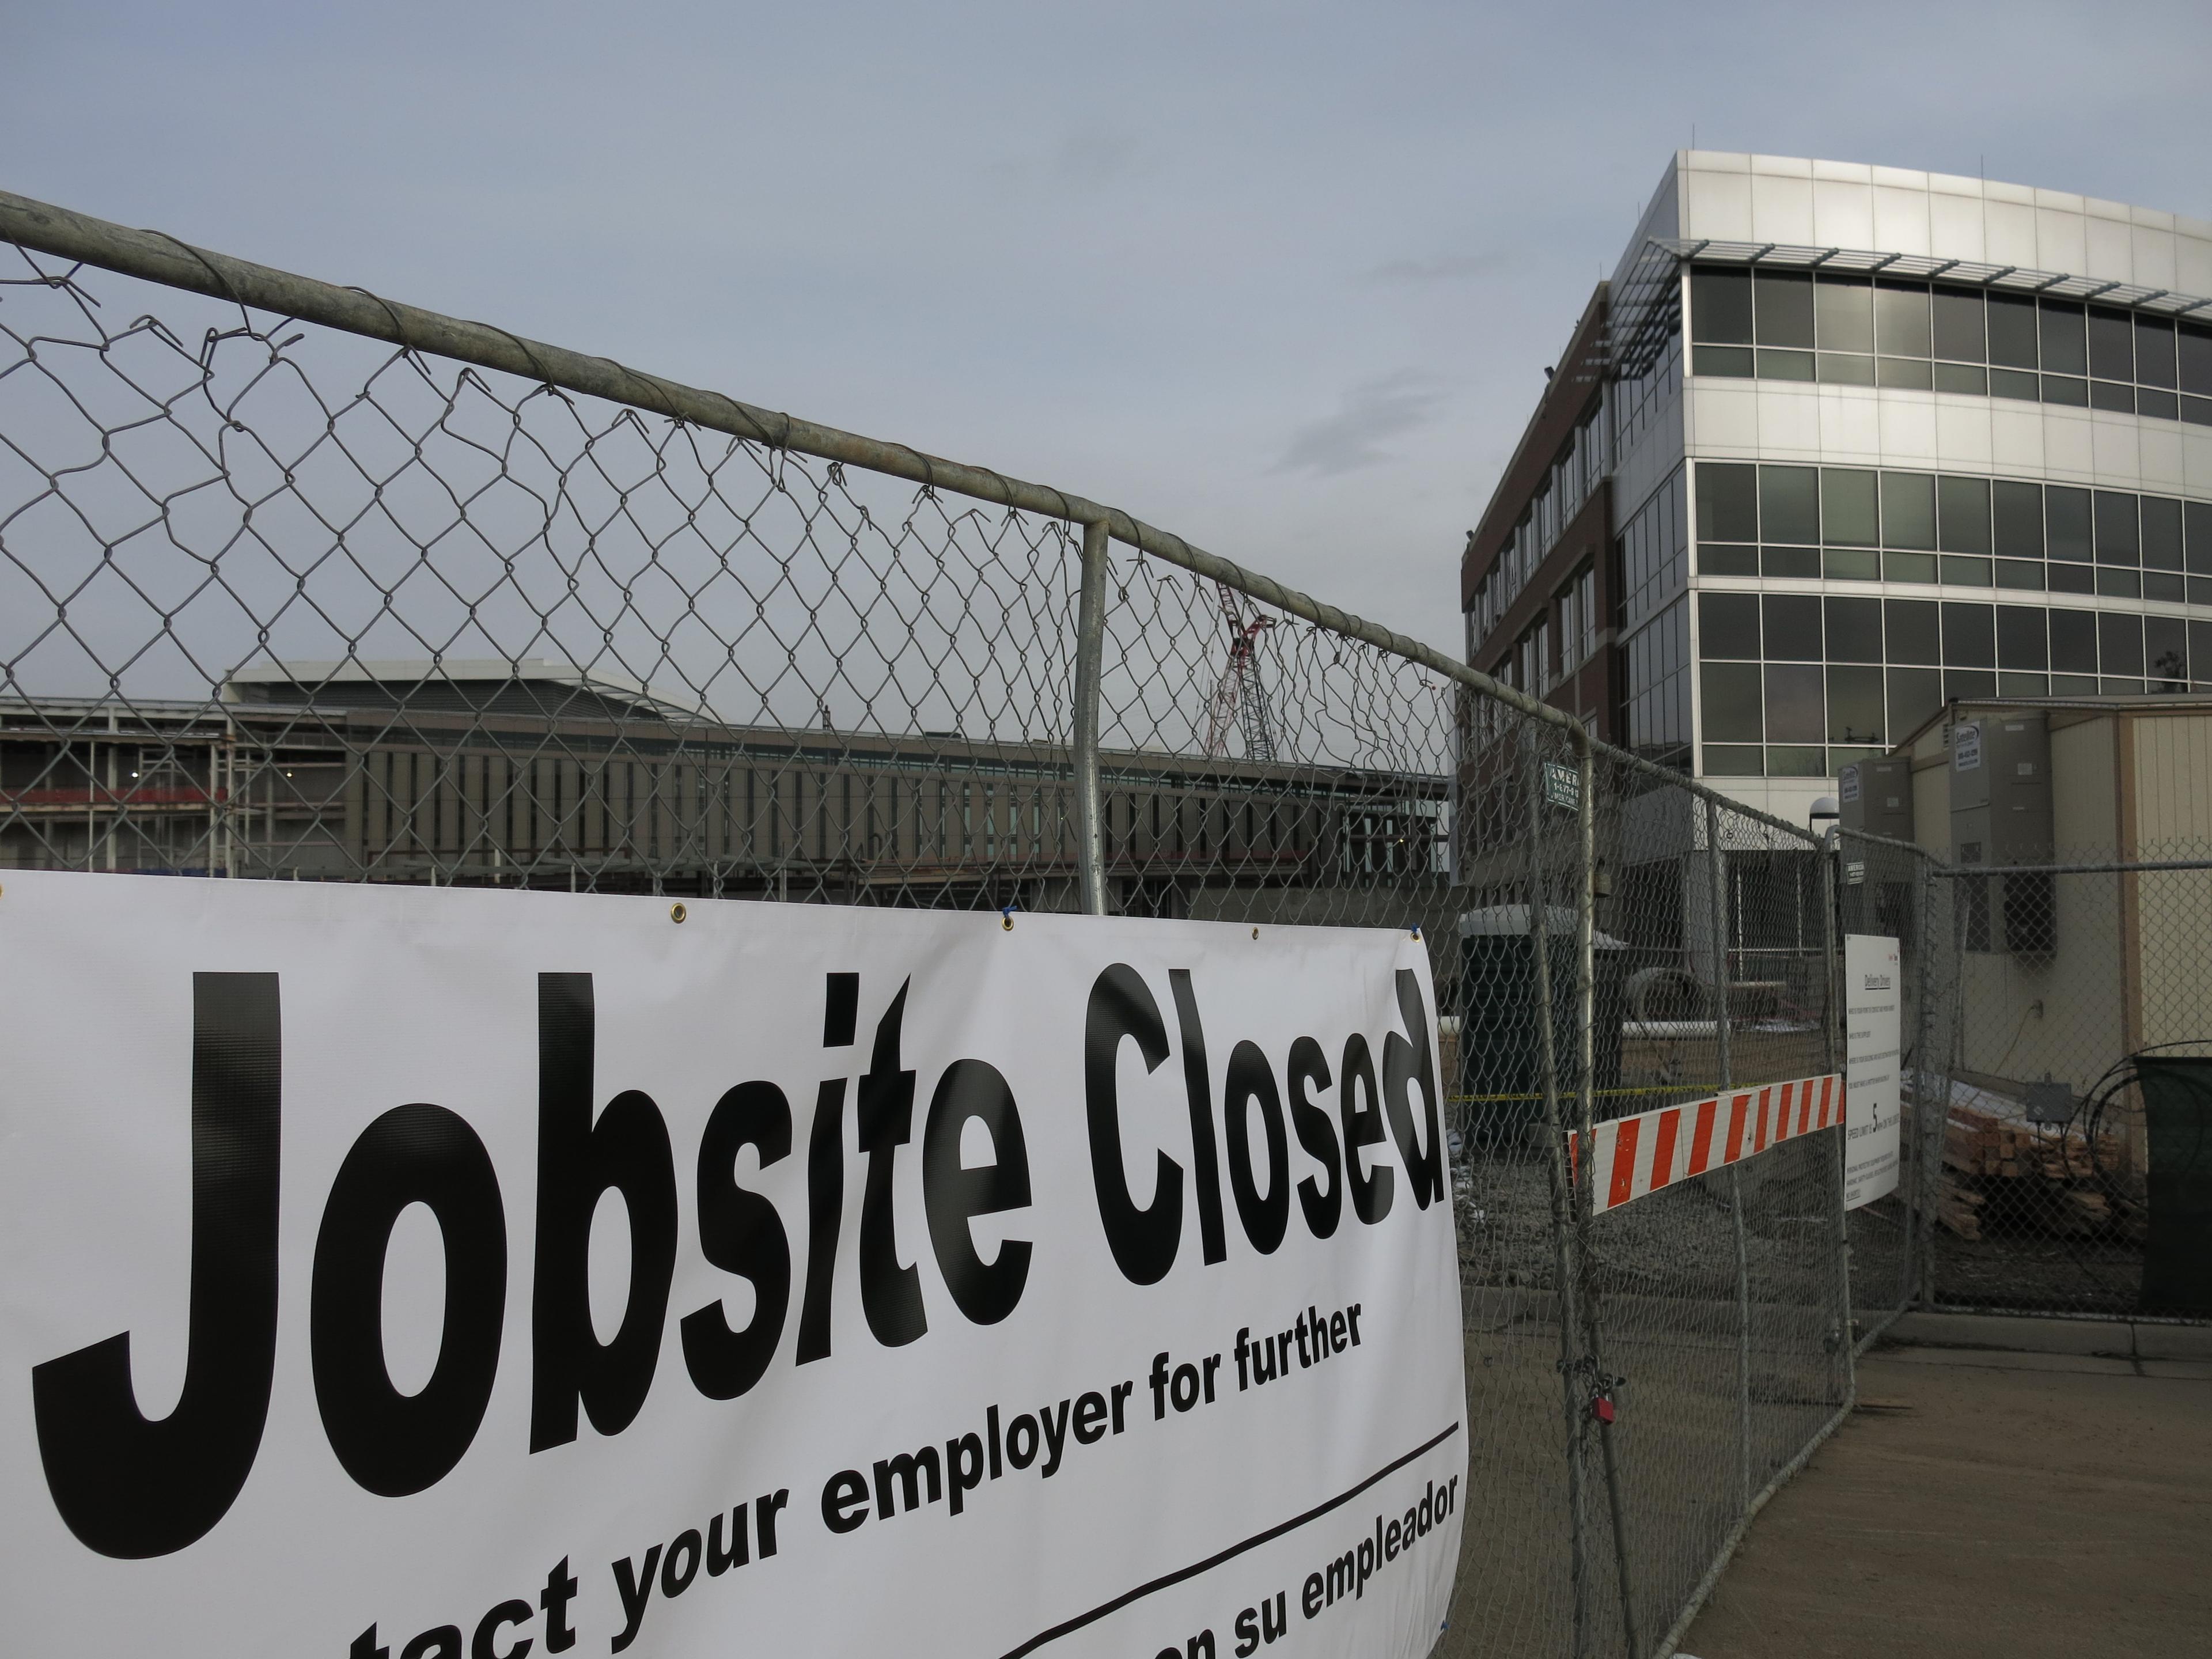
[[1837, 443]]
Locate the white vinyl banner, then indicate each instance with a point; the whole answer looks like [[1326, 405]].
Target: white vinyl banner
[[400, 1273], [1872, 1051]]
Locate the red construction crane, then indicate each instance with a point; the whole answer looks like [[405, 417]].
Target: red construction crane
[[1240, 701]]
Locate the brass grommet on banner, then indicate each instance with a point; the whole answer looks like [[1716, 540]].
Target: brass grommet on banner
[[677, 912]]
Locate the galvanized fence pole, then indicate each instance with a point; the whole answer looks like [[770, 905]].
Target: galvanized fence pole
[[1090, 654], [1564, 1185], [1586, 1124], [1929, 1113], [1718, 911], [1830, 849]]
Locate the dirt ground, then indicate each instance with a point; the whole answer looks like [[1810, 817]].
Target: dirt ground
[[1992, 1504]]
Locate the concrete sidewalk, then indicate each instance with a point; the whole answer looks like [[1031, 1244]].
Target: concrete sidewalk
[[1988, 1503]]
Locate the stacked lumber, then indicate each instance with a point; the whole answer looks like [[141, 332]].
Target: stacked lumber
[[2027, 1176]]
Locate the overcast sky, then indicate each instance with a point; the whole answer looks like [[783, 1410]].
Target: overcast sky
[[1282, 277]]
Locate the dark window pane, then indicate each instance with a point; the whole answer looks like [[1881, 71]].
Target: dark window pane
[[1914, 630], [2200, 652], [1858, 564], [2074, 642], [1854, 705], [1969, 378], [1796, 760], [2020, 573], [1908, 510], [2018, 508], [1794, 712], [1789, 562], [2162, 585], [2119, 644], [1854, 630], [2070, 578], [1720, 306], [2067, 389], [2111, 395], [2165, 653], [1915, 694], [1959, 329], [1900, 319], [1843, 308], [1969, 636], [2161, 532], [2198, 517], [2119, 583], [1789, 503], [2195, 341], [1909, 567], [1793, 627], [2021, 638], [1724, 760], [1732, 361], [2111, 344], [1840, 368], [1727, 561], [1912, 373], [2011, 330], [2163, 404], [2197, 410], [1849, 513], [1774, 365], [1731, 701], [2153, 351], [1964, 507], [2058, 328], [2118, 542], [1728, 624], [1727, 502], [2066, 522], [1784, 307], [1969, 684], [2014, 383], [1959, 571]]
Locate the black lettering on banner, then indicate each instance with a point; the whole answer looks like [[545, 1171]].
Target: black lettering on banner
[[1144, 1241], [1205, 1169], [1251, 1081], [1361, 1113], [1406, 1060], [579, 1161], [974, 1091], [1308, 1069], [890, 1295], [392, 1443], [825, 1172], [741, 1233], [505, 1616], [131, 1487]]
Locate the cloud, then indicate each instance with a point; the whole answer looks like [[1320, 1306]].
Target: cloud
[[1353, 438], [1448, 268]]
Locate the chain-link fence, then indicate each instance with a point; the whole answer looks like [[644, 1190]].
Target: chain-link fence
[[297, 583], [2068, 1014]]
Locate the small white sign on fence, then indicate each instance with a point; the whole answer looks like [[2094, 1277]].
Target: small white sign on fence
[[1871, 998]]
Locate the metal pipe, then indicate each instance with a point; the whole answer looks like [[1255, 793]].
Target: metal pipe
[[1090, 654], [1831, 959], [1586, 1118], [1957, 872], [1565, 1230], [1717, 910]]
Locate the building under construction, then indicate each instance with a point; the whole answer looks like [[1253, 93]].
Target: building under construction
[[540, 775]]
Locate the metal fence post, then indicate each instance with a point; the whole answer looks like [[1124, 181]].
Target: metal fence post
[[1090, 654], [1565, 1202], [1586, 1123], [1930, 1113], [1717, 910], [1830, 849]]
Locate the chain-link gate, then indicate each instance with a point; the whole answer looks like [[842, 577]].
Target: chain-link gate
[[297, 583]]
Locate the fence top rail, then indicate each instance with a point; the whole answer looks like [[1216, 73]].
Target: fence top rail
[[157, 257]]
